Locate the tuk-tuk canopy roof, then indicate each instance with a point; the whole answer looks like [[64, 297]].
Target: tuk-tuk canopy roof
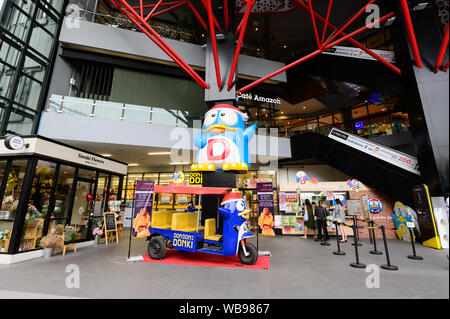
[[173, 189]]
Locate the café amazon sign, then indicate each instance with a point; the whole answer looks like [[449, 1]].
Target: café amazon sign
[[258, 98]]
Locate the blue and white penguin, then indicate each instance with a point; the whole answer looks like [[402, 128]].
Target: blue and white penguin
[[224, 140], [235, 226]]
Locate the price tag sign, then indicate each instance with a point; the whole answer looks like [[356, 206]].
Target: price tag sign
[[410, 224]]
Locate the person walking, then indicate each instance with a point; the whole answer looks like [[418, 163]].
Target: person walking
[[321, 215], [339, 215], [308, 219]]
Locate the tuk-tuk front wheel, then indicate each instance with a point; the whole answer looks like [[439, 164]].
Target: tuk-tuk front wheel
[[157, 248], [252, 254]]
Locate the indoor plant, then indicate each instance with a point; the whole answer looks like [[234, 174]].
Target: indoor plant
[[50, 242], [97, 232]]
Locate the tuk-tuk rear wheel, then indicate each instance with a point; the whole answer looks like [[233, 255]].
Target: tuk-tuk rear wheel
[[252, 254], [157, 248]]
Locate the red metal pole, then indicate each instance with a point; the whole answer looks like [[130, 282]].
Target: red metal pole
[[311, 11], [214, 43], [135, 18], [154, 9], [442, 50], [315, 53], [349, 22], [411, 33], [215, 20], [152, 5], [248, 9], [226, 14], [168, 9], [445, 67], [142, 8], [199, 18], [326, 22], [303, 7]]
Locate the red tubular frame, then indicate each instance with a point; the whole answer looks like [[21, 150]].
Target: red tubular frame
[[411, 33], [445, 68], [326, 22], [311, 12], [303, 7], [226, 14], [199, 18], [214, 43], [141, 24], [248, 9], [168, 9], [153, 10], [215, 20], [442, 50], [315, 53], [332, 37], [152, 5]]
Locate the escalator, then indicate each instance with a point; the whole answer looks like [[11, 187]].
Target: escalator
[[384, 169]]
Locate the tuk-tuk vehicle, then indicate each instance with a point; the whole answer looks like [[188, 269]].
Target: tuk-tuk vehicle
[[183, 231]]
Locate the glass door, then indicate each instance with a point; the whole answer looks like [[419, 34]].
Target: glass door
[[80, 212]]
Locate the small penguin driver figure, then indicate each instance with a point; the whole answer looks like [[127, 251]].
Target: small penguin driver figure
[[223, 141]]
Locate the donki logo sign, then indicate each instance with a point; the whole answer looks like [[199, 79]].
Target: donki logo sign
[[375, 206]]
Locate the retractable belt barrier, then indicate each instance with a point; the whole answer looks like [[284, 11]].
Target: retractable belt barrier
[[324, 231], [357, 263]]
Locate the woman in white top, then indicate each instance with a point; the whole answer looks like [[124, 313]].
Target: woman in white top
[[339, 215]]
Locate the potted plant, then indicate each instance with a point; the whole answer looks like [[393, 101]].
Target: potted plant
[[97, 232], [50, 242]]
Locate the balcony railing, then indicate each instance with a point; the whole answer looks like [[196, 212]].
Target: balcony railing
[[120, 111]]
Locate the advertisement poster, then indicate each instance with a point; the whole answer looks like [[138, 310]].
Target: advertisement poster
[[266, 209], [142, 216]]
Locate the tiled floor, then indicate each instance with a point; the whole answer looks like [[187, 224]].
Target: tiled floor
[[299, 269]]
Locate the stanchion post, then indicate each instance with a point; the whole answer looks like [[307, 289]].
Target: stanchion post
[[372, 231], [388, 266], [356, 264], [324, 231], [338, 252], [411, 236], [356, 234]]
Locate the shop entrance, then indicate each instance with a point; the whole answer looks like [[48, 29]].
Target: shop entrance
[[80, 211]]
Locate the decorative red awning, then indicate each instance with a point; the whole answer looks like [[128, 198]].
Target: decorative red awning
[[173, 189]]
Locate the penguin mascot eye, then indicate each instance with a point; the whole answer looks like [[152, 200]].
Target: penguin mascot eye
[[210, 118], [229, 117], [240, 206]]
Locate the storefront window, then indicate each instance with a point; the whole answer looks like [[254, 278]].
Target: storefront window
[[381, 125], [62, 196], [400, 122], [338, 119], [131, 185], [165, 178], [377, 109], [362, 127], [10, 202], [114, 189], [38, 205], [267, 177], [359, 112], [247, 180]]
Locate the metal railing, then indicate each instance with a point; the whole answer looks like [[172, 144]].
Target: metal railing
[[119, 111]]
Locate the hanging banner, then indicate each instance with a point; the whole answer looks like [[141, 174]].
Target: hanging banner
[[351, 52], [383, 153], [266, 208], [143, 205]]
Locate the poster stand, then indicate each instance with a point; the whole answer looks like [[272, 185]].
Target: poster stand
[[131, 226]]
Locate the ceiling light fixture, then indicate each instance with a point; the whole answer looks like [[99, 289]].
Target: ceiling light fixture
[[159, 153], [174, 164], [133, 164], [106, 155]]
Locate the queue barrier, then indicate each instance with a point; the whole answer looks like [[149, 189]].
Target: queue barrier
[[357, 263], [412, 238], [338, 252]]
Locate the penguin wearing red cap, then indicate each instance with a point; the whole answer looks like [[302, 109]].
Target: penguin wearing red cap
[[235, 226], [224, 140]]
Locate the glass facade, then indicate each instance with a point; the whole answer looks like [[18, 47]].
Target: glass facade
[[28, 34], [39, 194]]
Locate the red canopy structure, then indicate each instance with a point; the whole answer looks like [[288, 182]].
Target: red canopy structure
[[245, 8], [173, 189]]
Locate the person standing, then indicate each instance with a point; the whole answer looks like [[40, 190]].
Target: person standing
[[309, 223], [191, 208], [321, 215], [314, 205], [339, 215]]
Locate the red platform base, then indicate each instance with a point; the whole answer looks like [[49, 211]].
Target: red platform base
[[178, 257]]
